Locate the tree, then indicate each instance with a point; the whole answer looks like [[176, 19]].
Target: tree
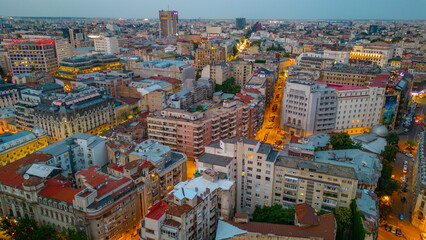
[[274, 214], [218, 88], [358, 230], [28, 229], [396, 39], [229, 86], [286, 55], [386, 185], [195, 46], [389, 153], [343, 141], [411, 146], [234, 50], [344, 222], [199, 108], [392, 138], [72, 233]]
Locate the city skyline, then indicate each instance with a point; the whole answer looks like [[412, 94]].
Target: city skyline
[[190, 9]]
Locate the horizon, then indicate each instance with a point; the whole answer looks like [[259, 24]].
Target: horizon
[[410, 10]]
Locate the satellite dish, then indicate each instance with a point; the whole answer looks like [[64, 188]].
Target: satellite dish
[[26, 176]]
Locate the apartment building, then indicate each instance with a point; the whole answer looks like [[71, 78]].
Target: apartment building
[[250, 163], [308, 108], [218, 72], [102, 206], [9, 94], [190, 211], [107, 81], [70, 68], [378, 53], [323, 186], [367, 165], [349, 75], [63, 49], [14, 146], [241, 70], [77, 152], [25, 56], [262, 80], [181, 70], [168, 23], [315, 63], [85, 110], [7, 120], [190, 132], [106, 44], [209, 55], [358, 108], [419, 182]]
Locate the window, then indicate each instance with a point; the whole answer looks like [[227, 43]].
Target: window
[[250, 149], [258, 170], [250, 156], [258, 177], [268, 172], [250, 162], [259, 164], [259, 157], [268, 165], [268, 179]]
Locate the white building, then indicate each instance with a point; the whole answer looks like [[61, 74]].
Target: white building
[[63, 49], [248, 162], [77, 152], [358, 108], [308, 108], [106, 45]]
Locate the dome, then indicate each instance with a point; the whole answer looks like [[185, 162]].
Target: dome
[[380, 130]]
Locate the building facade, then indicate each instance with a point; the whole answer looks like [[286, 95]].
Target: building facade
[[309, 108], [86, 110], [26, 56], [168, 24]]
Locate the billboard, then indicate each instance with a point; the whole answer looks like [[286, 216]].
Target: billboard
[[391, 103]]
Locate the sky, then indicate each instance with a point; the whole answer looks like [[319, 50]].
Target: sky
[[220, 9]]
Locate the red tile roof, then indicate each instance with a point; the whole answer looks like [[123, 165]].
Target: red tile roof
[[341, 87], [9, 175], [59, 190], [326, 230], [294, 139], [251, 90], [379, 81], [306, 215], [94, 178], [156, 211], [244, 98]]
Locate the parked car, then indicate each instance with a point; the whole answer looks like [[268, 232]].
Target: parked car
[[404, 189], [387, 227], [423, 236], [405, 162], [404, 170], [398, 232], [401, 216], [403, 199], [409, 155], [393, 230]]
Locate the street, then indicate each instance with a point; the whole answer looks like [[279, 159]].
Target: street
[[398, 207], [271, 129]]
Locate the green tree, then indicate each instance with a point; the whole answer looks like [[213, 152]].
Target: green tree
[[234, 50], [274, 214], [411, 145], [218, 88], [389, 153], [72, 233], [344, 222], [229, 86], [343, 141], [386, 185], [396, 39], [392, 138], [358, 231], [195, 46], [199, 108], [286, 55]]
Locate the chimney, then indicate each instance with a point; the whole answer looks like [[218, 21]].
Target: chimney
[[207, 190]]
